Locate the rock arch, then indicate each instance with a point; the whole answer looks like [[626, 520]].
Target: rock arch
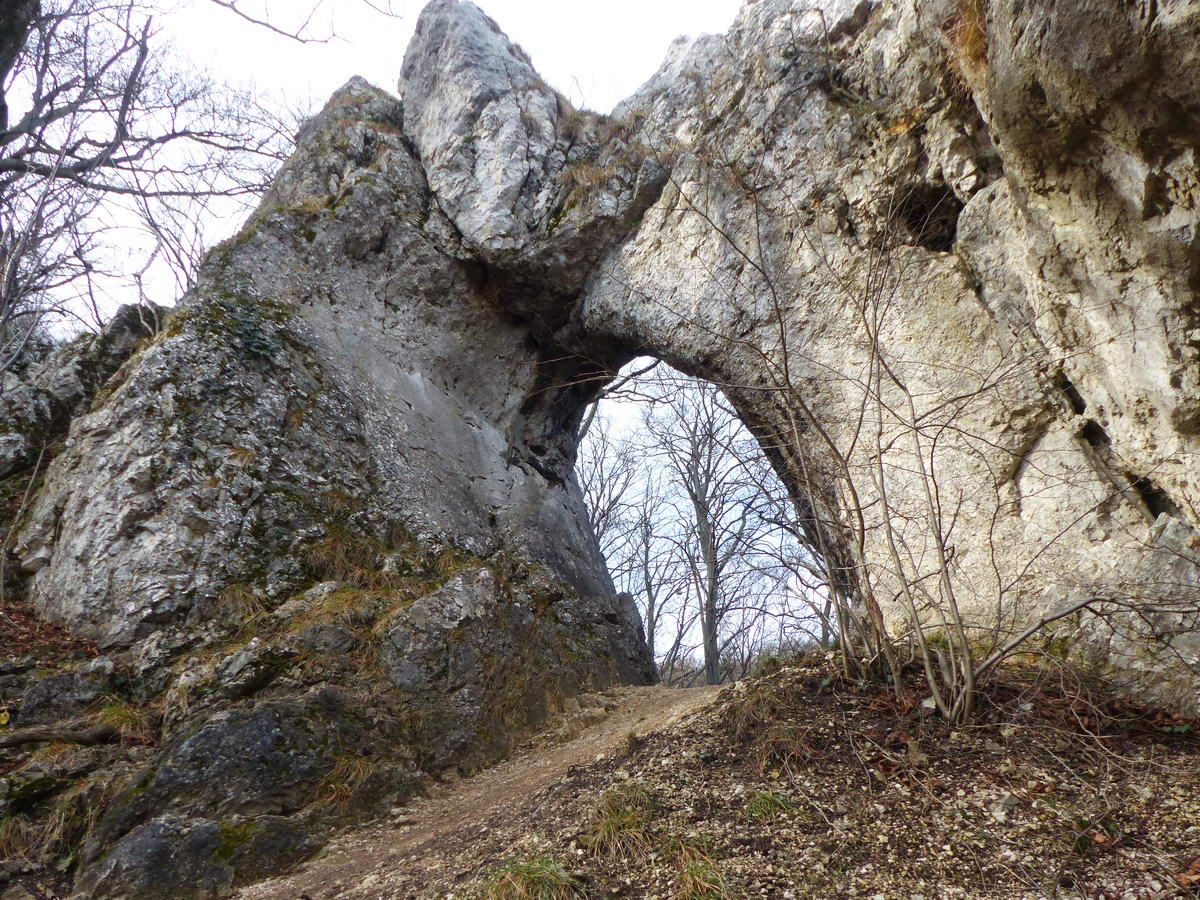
[[434, 288], [399, 342]]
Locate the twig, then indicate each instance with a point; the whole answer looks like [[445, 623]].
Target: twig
[[76, 733]]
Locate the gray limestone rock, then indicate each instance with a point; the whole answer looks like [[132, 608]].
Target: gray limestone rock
[[315, 381], [38, 399], [66, 694], [171, 857]]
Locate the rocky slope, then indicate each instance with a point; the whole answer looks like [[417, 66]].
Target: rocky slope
[[942, 256], [795, 784]]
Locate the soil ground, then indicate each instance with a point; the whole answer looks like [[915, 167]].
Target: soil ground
[[425, 844], [799, 784]]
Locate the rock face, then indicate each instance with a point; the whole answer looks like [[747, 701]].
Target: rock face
[[943, 262], [38, 402], [333, 358], [346, 399]]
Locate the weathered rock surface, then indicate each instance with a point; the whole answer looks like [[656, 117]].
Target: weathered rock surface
[[172, 857], [327, 515], [333, 360], [949, 206], [66, 694], [986, 230], [38, 402]]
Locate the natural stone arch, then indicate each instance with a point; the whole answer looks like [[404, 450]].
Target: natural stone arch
[[403, 334], [717, 220]]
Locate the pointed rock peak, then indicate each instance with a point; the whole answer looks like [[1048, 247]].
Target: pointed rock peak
[[457, 37], [537, 189], [483, 122]]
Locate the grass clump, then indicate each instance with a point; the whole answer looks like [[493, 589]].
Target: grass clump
[[701, 880], [18, 837], [781, 744], [621, 821], [699, 877], [756, 708], [345, 555], [130, 722], [70, 816], [349, 607], [349, 773], [541, 878], [766, 806], [240, 603]]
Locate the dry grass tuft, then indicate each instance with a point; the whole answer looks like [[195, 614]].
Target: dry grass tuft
[[72, 815], [350, 607], [130, 722], [240, 603], [349, 773], [698, 878], [586, 179], [756, 708], [18, 838], [781, 744], [572, 123], [967, 33], [541, 878], [345, 555], [621, 821]]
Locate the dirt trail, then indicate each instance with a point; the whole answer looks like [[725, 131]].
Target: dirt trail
[[399, 859]]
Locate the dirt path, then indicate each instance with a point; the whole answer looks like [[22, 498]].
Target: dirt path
[[404, 859]]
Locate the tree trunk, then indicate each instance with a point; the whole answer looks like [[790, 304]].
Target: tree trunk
[[15, 20]]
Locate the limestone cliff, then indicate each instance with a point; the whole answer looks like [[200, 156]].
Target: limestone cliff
[[943, 260], [942, 256]]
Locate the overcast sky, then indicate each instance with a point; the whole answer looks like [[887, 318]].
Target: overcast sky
[[595, 53]]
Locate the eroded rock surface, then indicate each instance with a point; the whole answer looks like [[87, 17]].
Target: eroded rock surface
[[987, 230], [38, 401]]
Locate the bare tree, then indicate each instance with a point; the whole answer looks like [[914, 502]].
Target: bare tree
[[109, 140], [687, 511]]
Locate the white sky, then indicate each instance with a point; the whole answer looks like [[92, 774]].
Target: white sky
[[595, 53]]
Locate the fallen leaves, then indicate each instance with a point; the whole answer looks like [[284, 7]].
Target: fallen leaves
[[1190, 875]]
